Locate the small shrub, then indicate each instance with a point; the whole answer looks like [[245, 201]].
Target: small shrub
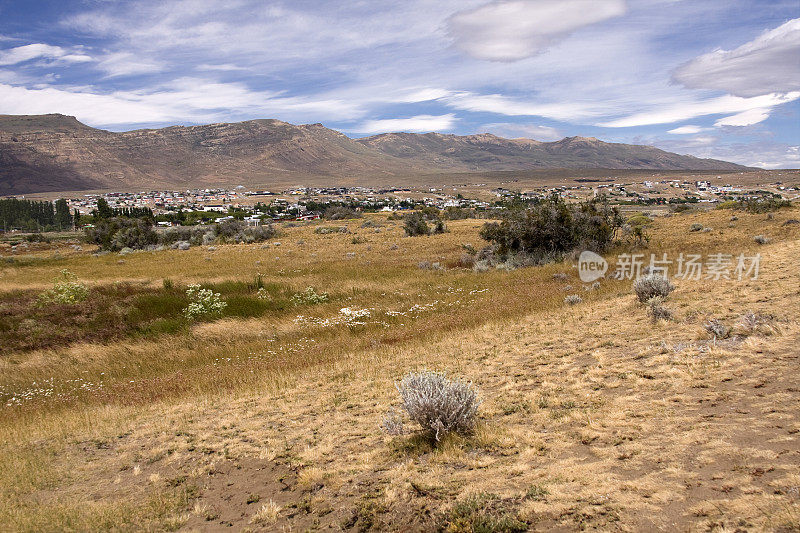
[[573, 299], [652, 285], [696, 227], [438, 404], [66, 290], [203, 302], [393, 423], [752, 323], [466, 260], [309, 297], [560, 276], [267, 514], [760, 239], [483, 513], [717, 329], [414, 225], [657, 310]]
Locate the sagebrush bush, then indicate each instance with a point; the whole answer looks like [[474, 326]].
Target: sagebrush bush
[[760, 239], [438, 404], [573, 299], [203, 302], [66, 290], [646, 287]]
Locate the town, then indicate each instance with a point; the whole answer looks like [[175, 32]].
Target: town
[[309, 203]]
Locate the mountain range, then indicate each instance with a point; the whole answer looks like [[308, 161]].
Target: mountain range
[[55, 152]]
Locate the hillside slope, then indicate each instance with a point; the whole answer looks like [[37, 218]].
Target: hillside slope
[[56, 152]]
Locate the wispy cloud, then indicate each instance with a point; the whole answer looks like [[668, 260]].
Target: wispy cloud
[[747, 111], [770, 63], [510, 30]]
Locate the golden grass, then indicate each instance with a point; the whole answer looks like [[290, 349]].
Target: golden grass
[[614, 428]]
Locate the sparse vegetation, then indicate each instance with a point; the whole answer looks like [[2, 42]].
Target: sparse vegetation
[[188, 420]]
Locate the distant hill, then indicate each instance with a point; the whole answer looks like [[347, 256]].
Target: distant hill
[[40, 153]]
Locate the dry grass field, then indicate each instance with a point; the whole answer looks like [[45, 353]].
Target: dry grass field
[[593, 416]]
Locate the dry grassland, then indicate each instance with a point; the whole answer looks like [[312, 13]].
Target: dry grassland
[[594, 417]]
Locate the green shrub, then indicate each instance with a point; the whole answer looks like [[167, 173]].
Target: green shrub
[[66, 290], [414, 225], [114, 234], [552, 228]]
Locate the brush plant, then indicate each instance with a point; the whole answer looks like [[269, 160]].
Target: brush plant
[[438, 404]]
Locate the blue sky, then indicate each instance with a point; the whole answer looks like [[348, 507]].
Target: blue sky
[[710, 78]]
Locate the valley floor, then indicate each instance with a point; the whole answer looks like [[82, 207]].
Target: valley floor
[[593, 416]]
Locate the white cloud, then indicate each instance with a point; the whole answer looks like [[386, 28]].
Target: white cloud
[[689, 129], [745, 118], [529, 131], [510, 30], [745, 109], [184, 100], [417, 124], [21, 54], [768, 64]]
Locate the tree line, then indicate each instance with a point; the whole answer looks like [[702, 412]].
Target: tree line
[[33, 215]]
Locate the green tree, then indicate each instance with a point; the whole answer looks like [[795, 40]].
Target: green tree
[[63, 218], [103, 209]]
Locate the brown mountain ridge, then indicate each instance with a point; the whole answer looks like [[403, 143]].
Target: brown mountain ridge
[[40, 153]]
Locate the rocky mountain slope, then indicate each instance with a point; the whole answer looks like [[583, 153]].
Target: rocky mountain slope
[[57, 153]]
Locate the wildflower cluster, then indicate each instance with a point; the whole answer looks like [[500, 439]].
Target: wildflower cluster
[[203, 302], [66, 290], [309, 297]]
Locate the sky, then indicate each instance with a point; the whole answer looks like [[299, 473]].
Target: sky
[[711, 78]]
